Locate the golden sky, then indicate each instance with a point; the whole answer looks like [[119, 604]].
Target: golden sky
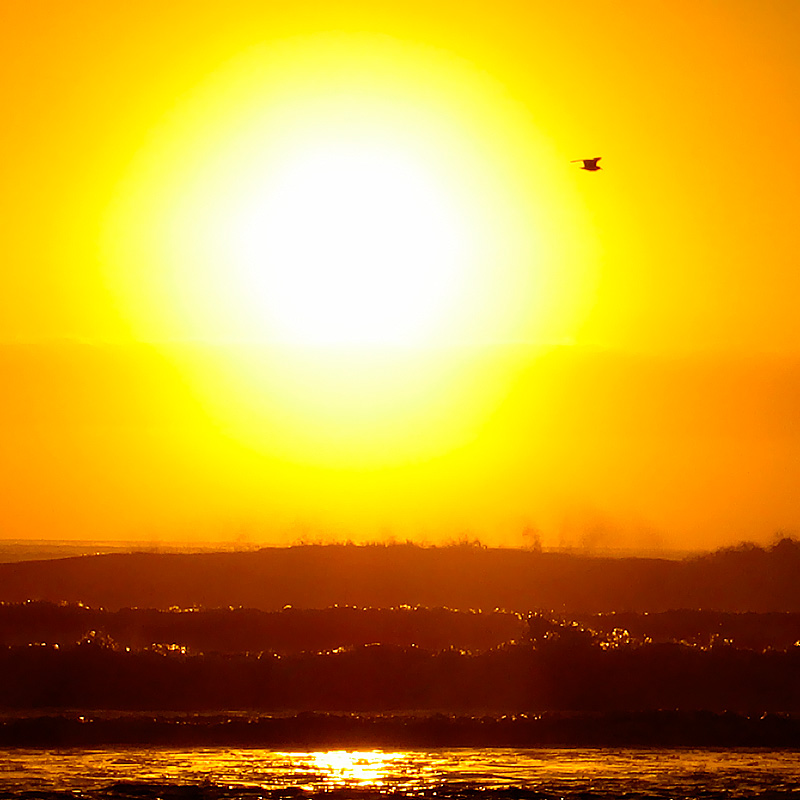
[[325, 269]]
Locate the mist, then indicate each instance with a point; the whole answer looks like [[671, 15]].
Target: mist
[[590, 450]]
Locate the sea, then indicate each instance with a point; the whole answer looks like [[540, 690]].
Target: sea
[[138, 773]]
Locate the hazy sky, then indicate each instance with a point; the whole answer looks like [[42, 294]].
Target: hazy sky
[[199, 197]]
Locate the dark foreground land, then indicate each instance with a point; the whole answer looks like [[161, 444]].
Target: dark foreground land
[[330, 731]]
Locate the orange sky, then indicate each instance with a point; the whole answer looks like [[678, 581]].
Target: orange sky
[[658, 406]]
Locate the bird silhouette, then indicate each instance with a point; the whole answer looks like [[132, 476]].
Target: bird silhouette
[[588, 163]]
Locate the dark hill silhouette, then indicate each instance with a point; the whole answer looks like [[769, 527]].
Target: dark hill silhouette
[[741, 579]]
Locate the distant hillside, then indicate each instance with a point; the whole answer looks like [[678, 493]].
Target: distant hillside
[[746, 578]]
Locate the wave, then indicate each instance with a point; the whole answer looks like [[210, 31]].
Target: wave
[[313, 730]]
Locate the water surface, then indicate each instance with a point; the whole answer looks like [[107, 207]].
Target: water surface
[[462, 773]]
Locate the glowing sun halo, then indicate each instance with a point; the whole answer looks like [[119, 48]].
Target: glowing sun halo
[[345, 192]]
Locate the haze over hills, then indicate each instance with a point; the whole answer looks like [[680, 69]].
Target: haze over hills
[[467, 576], [595, 449], [14, 550]]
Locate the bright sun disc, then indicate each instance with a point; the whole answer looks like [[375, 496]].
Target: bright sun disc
[[345, 244]]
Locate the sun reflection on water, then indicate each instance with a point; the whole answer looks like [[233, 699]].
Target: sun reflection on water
[[357, 768]]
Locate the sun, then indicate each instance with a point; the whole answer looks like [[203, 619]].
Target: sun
[[345, 244], [340, 218]]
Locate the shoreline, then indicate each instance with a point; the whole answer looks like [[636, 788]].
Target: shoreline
[[312, 730]]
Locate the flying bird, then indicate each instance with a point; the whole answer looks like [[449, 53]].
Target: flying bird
[[588, 163]]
